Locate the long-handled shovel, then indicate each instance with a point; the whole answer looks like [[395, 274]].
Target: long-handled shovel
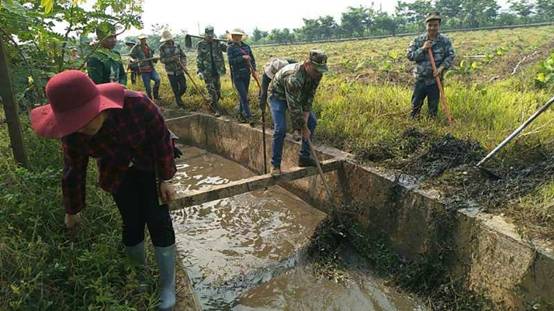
[[512, 136], [257, 79], [196, 87], [320, 171], [441, 89]]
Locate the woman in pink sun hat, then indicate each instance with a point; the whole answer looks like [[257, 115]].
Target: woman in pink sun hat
[[126, 134]]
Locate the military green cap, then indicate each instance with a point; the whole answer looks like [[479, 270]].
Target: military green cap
[[319, 59], [105, 30], [209, 31], [433, 16]]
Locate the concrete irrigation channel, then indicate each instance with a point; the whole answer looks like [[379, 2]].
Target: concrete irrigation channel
[[242, 236]]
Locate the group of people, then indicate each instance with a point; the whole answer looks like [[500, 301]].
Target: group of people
[[96, 116]]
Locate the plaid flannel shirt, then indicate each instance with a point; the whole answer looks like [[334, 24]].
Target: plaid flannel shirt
[[136, 134]]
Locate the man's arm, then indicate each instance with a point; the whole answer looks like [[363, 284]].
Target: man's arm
[[263, 91], [415, 52], [74, 176], [450, 54], [252, 59]]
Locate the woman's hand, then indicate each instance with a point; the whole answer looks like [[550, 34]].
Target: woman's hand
[[167, 193]]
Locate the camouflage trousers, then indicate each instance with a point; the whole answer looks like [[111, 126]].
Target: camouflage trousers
[[213, 84]]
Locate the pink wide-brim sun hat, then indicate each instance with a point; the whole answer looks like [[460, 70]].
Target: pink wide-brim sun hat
[[73, 101]]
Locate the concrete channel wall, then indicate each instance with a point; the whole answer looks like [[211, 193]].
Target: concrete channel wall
[[512, 272]]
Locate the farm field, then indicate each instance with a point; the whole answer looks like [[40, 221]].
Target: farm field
[[363, 105]]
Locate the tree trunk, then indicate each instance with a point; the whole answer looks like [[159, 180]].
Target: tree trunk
[[10, 109]]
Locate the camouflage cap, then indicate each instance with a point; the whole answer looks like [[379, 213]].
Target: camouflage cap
[[104, 30], [433, 16], [209, 31], [319, 59]]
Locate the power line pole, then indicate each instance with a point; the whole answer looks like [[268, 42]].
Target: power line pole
[[7, 98]]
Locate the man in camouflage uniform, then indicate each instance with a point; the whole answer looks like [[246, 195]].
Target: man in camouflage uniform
[[175, 61], [211, 65], [443, 53], [294, 88], [132, 66], [105, 64], [140, 53], [270, 69]]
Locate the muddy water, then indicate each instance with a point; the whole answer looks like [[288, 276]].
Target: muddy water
[[246, 252]]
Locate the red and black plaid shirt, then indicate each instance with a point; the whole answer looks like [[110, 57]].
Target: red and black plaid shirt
[[136, 134]]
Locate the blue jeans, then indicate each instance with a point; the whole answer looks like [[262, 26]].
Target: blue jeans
[[278, 113], [146, 78], [242, 84]]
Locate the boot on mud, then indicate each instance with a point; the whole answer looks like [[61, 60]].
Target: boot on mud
[[137, 255], [306, 162], [165, 256], [215, 108], [275, 171], [180, 103]]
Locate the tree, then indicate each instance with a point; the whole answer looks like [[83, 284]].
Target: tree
[[523, 8], [545, 9], [39, 37], [414, 12], [327, 27], [449, 8], [387, 23], [256, 35], [311, 29], [479, 12], [355, 21]]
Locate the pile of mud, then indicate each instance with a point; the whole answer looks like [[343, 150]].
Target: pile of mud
[[448, 163]]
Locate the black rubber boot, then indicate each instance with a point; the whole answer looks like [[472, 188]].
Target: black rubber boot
[[180, 103], [156, 92]]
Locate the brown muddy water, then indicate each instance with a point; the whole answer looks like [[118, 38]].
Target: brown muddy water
[[247, 252]]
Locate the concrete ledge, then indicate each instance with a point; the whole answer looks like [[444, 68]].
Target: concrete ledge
[[495, 259], [237, 187]]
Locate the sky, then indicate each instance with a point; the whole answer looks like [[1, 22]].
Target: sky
[[244, 14], [193, 16]]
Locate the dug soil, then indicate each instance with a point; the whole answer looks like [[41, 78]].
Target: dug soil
[[448, 163]]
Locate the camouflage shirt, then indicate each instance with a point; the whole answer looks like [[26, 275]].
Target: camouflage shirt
[[293, 85], [443, 53], [105, 66], [172, 66], [210, 57]]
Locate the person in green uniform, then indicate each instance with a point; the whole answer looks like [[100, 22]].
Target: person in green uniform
[[105, 64]]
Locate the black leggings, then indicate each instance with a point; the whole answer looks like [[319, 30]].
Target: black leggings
[[137, 201]]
